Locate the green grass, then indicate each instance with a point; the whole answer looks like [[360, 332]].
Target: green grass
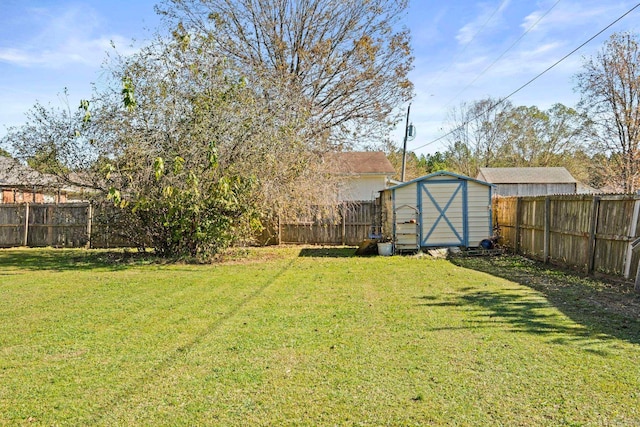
[[291, 336]]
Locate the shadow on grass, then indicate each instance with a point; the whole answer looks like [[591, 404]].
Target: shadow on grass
[[328, 252], [517, 313], [71, 259], [602, 309]]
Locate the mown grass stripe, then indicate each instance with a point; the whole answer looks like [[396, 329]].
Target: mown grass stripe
[[311, 337]]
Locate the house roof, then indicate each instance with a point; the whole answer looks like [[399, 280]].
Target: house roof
[[556, 175], [359, 163], [15, 174], [441, 173]]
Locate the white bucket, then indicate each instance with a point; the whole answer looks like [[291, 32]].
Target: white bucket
[[385, 249]]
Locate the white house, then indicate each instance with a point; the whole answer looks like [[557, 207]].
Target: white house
[[363, 174]]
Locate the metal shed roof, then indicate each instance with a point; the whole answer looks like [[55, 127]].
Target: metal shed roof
[[440, 173], [534, 175]]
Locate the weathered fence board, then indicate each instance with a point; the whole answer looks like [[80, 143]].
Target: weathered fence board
[[585, 232], [85, 225], [348, 224], [57, 225], [12, 225]]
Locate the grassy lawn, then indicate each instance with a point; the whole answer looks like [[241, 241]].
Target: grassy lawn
[[312, 336]]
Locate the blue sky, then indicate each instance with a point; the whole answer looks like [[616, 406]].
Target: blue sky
[[46, 46]]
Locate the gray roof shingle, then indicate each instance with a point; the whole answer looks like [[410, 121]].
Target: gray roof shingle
[[13, 173], [359, 163]]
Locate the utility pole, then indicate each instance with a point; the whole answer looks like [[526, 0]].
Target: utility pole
[[404, 148]]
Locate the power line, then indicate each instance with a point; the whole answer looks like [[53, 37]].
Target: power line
[[504, 53], [466, 45], [532, 80]]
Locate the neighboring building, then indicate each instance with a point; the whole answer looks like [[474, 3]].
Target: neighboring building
[[364, 174], [587, 189], [535, 181], [611, 189], [20, 183], [437, 210]]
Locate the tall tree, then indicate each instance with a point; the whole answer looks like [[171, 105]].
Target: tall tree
[[487, 133], [395, 154], [50, 140], [433, 162], [610, 89], [477, 134], [343, 65], [533, 137], [193, 156]]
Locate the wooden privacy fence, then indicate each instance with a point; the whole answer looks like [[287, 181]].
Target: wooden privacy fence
[[57, 225], [87, 225], [348, 224], [592, 233]]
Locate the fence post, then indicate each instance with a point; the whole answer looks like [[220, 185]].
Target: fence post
[[632, 234], [547, 227], [518, 223], [48, 220], [343, 219], [89, 224], [26, 224], [592, 234], [279, 230]]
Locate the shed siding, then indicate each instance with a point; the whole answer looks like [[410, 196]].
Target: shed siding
[[405, 196], [440, 178], [534, 189], [479, 206]]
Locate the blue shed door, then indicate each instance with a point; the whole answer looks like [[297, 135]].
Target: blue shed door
[[443, 213]]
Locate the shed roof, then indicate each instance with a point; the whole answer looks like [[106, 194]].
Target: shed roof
[[535, 175], [359, 163], [441, 173]]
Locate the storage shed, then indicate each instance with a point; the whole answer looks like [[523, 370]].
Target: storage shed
[[533, 181], [442, 209]]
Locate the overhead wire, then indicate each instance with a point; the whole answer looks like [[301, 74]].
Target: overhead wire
[[502, 100], [504, 53], [466, 45]]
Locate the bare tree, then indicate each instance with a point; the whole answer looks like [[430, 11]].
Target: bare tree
[[610, 88], [477, 134], [342, 64]]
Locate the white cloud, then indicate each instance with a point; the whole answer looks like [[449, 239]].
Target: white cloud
[[490, 18], [591, 15], [69, 52], [60, 39], [13, 56]]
